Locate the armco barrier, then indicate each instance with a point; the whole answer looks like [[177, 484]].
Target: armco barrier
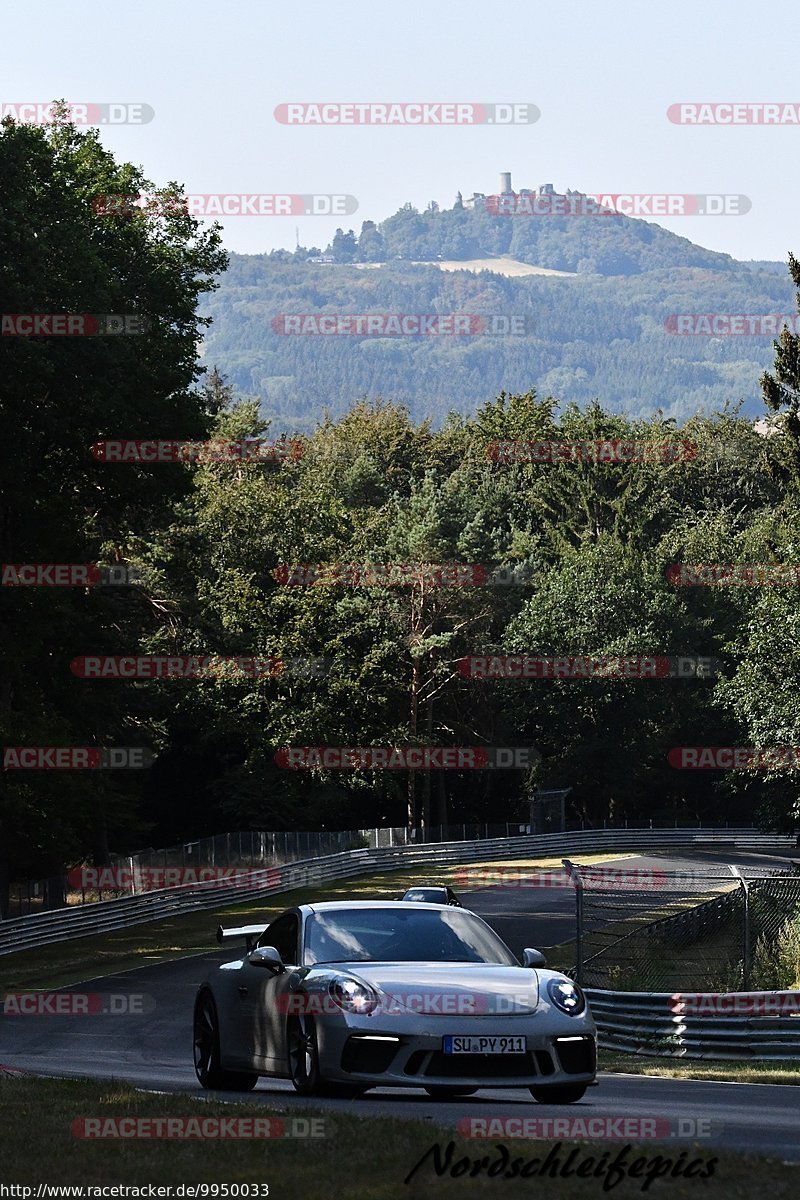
[[48, 928], [764, 1026]]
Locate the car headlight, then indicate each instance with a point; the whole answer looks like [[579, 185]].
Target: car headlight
[[567, 996], [352, 996]]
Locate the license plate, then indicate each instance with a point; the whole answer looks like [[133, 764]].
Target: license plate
[[484, 1045]]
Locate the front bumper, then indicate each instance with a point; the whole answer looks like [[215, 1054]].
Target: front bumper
[[416, 1059]]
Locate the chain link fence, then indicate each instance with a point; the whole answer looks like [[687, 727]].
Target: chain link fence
[[710, 928], [152, 869], [35, 895]]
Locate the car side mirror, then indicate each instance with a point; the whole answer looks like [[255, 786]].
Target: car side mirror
[[268, 957], [533, 958]]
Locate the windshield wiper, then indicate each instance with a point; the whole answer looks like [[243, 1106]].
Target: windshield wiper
[[323, 962]]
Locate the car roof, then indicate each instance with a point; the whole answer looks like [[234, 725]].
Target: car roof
[[337, 905]]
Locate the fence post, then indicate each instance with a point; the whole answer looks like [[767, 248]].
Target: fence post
[[575, 876], [746, 963]]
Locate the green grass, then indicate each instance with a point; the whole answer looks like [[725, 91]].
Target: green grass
[[179, 936], [740, 1071], [355, 1160]]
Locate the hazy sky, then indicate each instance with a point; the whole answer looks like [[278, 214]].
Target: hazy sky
[[602, 74]]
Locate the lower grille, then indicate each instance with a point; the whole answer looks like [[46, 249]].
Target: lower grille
[[366, 1056], [577, 1058], [544, 1061], [414, 1064], [481, 1066]]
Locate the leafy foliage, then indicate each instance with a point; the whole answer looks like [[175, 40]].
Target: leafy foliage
[[588, 335], [588, 543]]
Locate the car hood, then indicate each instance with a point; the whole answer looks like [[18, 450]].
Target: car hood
[[449, 989]]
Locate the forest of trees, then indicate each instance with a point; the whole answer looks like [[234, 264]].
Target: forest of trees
[[588, 336], [373, 484], [603, 245]]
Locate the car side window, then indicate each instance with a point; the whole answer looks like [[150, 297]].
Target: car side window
[[283, 934]]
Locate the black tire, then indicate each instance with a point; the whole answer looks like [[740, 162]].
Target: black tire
[[559, 1093], [303, 1055], [443, 1092], [303, 1062], [207, 1055]]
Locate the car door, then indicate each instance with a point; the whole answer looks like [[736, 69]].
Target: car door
[[261, 1011]]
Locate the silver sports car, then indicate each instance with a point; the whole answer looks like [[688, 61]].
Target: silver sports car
[[341, 997]]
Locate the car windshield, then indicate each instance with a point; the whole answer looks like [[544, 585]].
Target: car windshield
[[401, 935], [435, 895]]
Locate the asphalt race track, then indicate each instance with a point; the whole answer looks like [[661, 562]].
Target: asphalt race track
[[153, 1050]]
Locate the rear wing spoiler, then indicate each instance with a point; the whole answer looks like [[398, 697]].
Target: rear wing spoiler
[[250, 933]]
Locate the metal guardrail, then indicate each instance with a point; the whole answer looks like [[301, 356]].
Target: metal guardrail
[[84, 920], [60, 925], [713, 1026]]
